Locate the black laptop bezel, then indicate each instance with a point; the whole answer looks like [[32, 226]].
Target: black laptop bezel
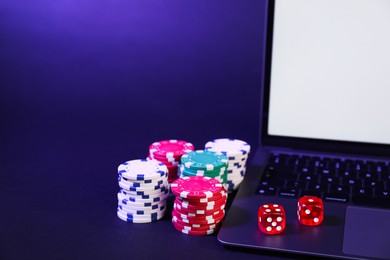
[[295, 142]]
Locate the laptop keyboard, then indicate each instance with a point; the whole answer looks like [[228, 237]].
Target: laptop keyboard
[[354, 182]]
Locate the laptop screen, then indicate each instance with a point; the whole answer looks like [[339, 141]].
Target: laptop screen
[[330, 70]]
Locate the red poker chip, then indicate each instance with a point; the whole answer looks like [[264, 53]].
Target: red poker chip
[[194, 233], [196, 187], [170, 148], [218, 196], [196, 221], [187, 217], [190, 215], [199, 211], [199, 215], [206, 206], [196, 227]]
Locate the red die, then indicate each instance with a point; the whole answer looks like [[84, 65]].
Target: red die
[[271, 219], [310, 210]]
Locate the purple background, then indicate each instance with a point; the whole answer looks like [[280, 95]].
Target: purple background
[[88, 84]]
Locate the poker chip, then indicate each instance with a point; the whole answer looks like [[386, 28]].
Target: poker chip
[[142, 210], [198, 208], [198, 211], [203, 160], [131, 199], [212, 205], [145, 193], [197, 220], [139, 219], [210, 173], [169, 152], [193, 231], [140, 205], [237, 152], [170, 148], [217, 196], [128, 185], [146, 183], [196, 187], [195, 227], [144, 189], [142, 170], [204, 163]]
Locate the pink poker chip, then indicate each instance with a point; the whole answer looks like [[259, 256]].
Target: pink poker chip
[[171, 149], [196, 187]]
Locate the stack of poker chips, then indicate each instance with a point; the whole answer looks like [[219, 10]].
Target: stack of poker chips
[[237, 152], [144, 191], [204, 163], [199, 206], [169, 152]]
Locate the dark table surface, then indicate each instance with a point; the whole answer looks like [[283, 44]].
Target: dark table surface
[[86, 85]]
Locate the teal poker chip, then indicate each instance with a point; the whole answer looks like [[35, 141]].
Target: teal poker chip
[[210, 173], [204, 160]]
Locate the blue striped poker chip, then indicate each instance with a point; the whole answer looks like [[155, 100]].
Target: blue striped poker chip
[[142, 211], [142, 206], [240, 158], [144, 182], [143, 170], [148, 205], [129, 219], [232, 148], [160, 191], [152, 216], [237, 165], [125, 196], [128, 185], [146, 196]]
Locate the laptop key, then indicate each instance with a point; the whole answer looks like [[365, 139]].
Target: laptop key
[[289, 193], [266, 190], [337, 197], [317, 187], [339, 188], [363, 191], [381, 193], [296, 185], [308, 177]]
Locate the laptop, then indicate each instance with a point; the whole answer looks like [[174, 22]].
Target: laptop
[[324, 131]]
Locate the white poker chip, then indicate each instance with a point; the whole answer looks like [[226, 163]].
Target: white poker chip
[[229, 147], [127, 198], [142, 210], [144, 216], [141, 205], [137, 219], [143, 190], [142, 170]]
